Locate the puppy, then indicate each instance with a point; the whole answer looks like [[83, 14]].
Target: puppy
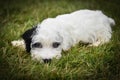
[[47, 39]]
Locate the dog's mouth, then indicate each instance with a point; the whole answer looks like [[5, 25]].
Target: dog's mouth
[[44, 60], [47, 60]]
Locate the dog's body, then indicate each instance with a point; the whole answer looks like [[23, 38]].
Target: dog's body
[[53, 35]]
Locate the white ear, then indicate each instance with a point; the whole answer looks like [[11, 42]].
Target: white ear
[[66, 41], [66, 46]]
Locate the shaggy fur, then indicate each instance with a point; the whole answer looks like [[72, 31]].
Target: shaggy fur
[[52, 35]]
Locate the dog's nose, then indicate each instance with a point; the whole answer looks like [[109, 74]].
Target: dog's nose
[[46, 60]]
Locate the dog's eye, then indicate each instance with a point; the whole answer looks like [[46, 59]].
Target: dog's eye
[[55, 44], [37, 45]]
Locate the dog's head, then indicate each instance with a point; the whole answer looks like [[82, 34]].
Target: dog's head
[[43, 44]]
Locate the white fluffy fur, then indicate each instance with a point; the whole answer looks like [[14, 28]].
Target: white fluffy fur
[[87, 26]]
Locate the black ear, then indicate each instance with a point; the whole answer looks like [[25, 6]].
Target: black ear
[[27, 36]]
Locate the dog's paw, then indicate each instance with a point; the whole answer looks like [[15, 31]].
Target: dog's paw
[[95, 44], [18, 43]]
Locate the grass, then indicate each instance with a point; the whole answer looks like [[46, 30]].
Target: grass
[[79, 63]]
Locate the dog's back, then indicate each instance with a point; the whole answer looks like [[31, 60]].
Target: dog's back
[[88, 25]]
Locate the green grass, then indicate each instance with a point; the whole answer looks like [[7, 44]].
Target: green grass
[[79, 63]]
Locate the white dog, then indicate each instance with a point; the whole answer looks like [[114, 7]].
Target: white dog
[[52, 35]]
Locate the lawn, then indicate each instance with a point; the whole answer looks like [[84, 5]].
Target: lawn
[[79, 63]]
